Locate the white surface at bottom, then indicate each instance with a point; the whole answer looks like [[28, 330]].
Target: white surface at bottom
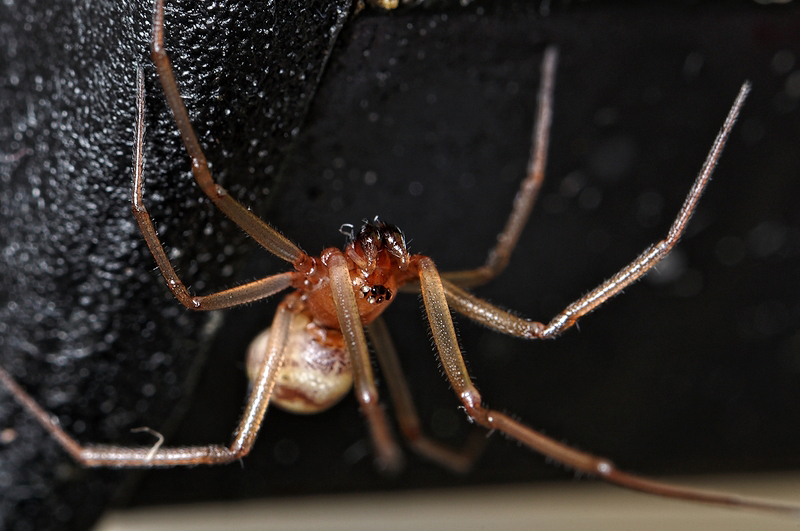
[[563, 506]]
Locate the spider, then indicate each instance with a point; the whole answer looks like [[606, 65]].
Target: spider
[[316, 349]]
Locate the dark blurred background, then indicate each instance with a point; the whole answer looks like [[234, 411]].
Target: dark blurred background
[[315, 117]]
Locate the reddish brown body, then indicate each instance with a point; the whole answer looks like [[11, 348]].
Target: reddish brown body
[[378, 262], [316, 373]]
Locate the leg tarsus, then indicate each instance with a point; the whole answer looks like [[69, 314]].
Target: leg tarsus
[[435, 300], [507, 323], [606, 470], [523, 203], [159, 456], [116, 456]]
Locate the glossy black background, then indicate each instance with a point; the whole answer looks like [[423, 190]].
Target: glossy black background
[[695, 373]]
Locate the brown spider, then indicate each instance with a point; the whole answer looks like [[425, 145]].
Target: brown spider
[[316, 348]]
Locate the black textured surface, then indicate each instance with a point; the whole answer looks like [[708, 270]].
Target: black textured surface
[[423, 118], [85, 325]]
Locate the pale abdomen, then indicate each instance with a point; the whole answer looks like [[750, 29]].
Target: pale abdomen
[[316, 370]]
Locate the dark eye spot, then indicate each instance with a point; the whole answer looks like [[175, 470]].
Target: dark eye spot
[[379, 293]]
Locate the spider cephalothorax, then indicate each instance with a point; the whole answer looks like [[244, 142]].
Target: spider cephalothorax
[[316, 372], [378, 263], [374, 237], [379, 255]]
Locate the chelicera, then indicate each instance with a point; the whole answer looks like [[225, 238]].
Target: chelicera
[[316, 349]]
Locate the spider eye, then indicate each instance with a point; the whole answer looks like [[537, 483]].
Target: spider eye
[[378, 293]]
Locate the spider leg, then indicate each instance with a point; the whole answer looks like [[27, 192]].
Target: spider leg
[[504, 322], [260, 231], [444, 335], [529, 189], [160, 456], [389, 457], [458, 461], [224, 299]]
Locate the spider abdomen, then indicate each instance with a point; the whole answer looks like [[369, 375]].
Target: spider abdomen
[[316, 370]]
